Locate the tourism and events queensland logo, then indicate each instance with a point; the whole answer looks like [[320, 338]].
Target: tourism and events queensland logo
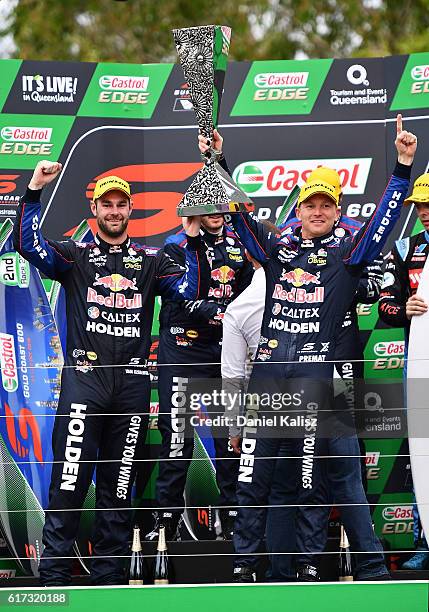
[[125, 90], [282, 87], [356, 87], [413, 88], [278, 177]]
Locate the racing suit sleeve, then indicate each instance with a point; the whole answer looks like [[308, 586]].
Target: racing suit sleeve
[[208, 311], [394, 292], [255, 236], [50, 257], [205, 311], [368, 290], [364, 246], [188, 282]]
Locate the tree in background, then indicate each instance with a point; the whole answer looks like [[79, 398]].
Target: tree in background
[[140, 30], [132, 31]]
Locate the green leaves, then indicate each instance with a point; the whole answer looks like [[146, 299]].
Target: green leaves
[[140, 30]]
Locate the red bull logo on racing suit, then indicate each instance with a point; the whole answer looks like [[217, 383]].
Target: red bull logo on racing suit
[[223, 275], [115, 282], [299, 277]]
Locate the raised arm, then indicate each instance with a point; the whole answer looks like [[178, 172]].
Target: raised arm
[[51, 258], [365, 246], [257, 239]]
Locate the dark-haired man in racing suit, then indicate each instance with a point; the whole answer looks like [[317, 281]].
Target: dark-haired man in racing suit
[[311, 283], [103, 408], [191, 334]]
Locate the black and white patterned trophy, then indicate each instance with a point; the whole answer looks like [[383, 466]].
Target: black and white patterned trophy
[[203, 54]]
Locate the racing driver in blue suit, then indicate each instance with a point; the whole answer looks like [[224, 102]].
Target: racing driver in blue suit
[[103, 409], [311, 282]]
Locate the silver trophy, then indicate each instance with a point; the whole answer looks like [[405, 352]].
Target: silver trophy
[[203, 54]]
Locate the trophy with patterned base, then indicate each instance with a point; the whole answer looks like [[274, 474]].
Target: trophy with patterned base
[[203, 54]]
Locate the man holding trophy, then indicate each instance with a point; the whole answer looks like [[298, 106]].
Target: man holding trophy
[[325, 270]]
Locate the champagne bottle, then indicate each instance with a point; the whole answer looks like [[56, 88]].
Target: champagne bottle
[[161, 561], [345, 573], [136, 562]]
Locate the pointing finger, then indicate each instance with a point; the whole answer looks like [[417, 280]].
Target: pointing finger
[[398, 123]]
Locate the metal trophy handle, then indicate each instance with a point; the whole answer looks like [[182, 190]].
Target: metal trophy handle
[[203, 55]]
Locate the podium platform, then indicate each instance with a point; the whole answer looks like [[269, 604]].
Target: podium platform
[[323, 597]]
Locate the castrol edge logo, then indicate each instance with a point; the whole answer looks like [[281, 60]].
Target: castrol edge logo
[[372, 458], [123, 83], [280, 79], [398, 513], [9, 373], [278, 177], [394, 347], [26, 134], [420, 73]]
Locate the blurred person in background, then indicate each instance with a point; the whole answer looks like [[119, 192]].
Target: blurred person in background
[[400, 302], [191, 334]]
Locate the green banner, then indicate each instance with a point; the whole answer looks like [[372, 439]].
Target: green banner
[[413, 88], [130, 91], [350, 596], [9, 70], [26, 139], [384, 353], [283, 87], [393, 520]]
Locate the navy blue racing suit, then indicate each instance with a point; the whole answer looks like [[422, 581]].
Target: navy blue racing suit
[[345, 473], [311, 284], [191, 334], [103, 407]]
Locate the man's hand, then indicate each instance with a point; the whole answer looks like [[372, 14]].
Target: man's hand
[[192, 225], [406, 143], [205, 144], [44, 173], [415, 306], [235, 442]]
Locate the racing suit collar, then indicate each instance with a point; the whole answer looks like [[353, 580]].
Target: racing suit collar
[[212, 239], [112, 248], [311, 242]]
